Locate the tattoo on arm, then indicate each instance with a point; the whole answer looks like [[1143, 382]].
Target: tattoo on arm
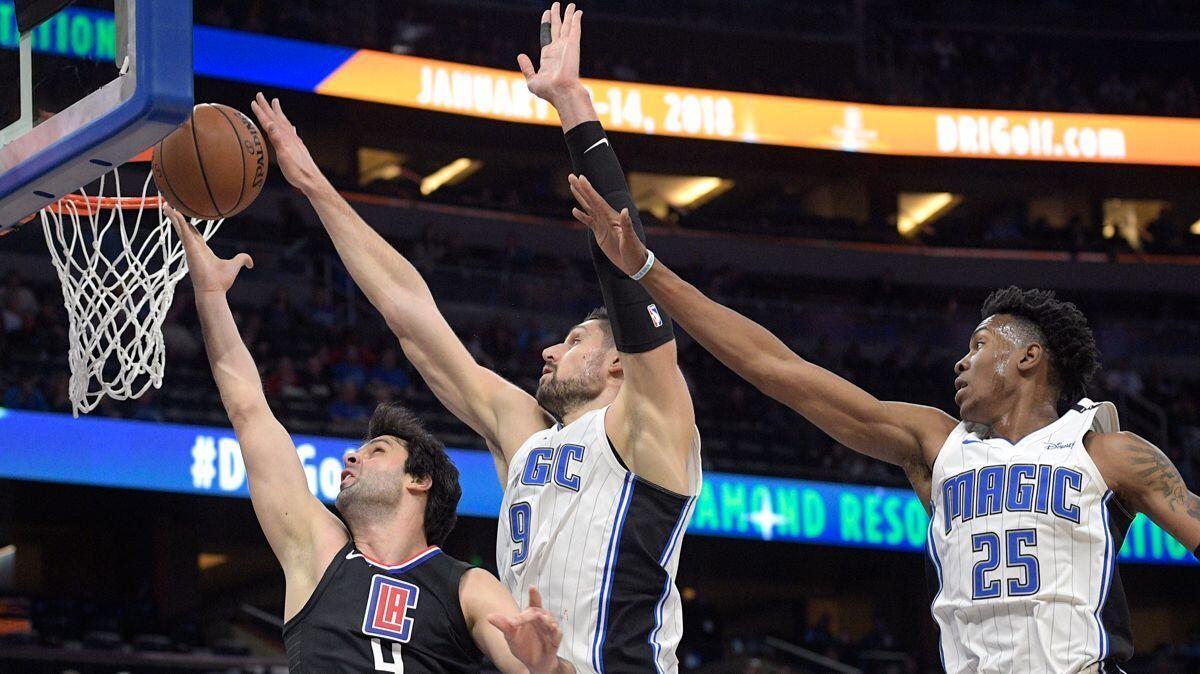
[[1157, 475]]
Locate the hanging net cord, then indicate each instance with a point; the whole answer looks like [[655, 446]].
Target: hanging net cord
[[118, 272]]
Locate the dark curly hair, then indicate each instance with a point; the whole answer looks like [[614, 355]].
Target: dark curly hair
[[1063, 330], [426, 457]]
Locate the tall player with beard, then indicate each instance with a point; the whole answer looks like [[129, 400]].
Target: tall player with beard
[[601, 468], [1028, 508], [375, 594]]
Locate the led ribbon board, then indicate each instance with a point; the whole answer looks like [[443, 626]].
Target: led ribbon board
[[490, 93], [207, 460]]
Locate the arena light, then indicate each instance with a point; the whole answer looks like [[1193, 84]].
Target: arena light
[[1195, 228], [918, 208], [379, 165], [454, 172], [208, 560], [1130, 218], [660, 194]]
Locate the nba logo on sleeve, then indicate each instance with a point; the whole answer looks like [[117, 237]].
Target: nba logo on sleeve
[[387, 609], [654, 317]]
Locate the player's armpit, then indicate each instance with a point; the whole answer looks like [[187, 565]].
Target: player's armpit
[[1146, 481], [652, 421]]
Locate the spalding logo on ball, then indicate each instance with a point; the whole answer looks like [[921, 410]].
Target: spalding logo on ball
[[213, 166]]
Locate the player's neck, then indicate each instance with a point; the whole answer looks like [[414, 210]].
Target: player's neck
[[1024, 417], [390, 540], [602, 400]]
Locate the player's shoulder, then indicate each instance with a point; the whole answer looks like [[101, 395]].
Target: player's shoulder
[[479, 593], [931, 426], [1122, 457], [1109, 442]]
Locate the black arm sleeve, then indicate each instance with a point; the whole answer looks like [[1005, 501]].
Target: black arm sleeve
[[637, 324]]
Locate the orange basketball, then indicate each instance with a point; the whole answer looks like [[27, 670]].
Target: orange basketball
[[214, 165]]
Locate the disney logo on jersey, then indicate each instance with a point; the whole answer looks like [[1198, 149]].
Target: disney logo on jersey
[[1059, 445], [560, 465], [388, 606], [1020, 487]]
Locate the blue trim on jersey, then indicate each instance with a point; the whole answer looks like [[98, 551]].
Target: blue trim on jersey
[[662, 561], [422, 557], [614, 545], [931, 549], [1110, 560]]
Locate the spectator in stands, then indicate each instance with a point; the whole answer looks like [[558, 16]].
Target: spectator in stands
[[389, 373], [284, 381], [347, 406], [26, 395], [17, 295]]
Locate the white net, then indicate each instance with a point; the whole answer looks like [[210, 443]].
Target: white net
[[118, 261]]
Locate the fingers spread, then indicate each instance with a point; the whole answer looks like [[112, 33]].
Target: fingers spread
[[555, 19], [568, 19], [182, 227], [526, 66], [577, 192], [245, 260], [584, 218], [501, 622], [595, 203]]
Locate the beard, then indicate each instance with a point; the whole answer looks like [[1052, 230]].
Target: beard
[[560, 396], [370, 497]]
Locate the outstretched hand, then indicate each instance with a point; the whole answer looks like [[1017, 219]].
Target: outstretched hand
[[613, 230], [209, 273], [533, 635], [291, 154], [558, 72]]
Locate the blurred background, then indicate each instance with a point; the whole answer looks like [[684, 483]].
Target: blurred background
[[866, 261]]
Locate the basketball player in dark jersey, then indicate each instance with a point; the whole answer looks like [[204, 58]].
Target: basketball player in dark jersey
[[375, 594], [1013, 481]]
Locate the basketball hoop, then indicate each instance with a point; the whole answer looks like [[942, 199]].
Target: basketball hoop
[[118, 259]]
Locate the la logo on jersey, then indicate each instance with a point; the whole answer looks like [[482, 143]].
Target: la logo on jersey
[[387, 609]]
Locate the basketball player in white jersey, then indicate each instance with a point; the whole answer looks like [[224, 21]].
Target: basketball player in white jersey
[[601, 466], [1028, 509]]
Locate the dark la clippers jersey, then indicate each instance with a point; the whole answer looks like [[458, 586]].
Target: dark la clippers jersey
[[367, 617]]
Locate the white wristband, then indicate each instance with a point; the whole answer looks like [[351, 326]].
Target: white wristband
[[646, 267]]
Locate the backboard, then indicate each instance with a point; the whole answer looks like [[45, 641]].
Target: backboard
[[60, 132]]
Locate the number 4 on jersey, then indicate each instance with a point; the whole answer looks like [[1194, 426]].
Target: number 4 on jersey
[[396, 666]]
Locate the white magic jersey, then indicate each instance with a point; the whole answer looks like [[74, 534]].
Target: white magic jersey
[[1024, 541], [600, 543]]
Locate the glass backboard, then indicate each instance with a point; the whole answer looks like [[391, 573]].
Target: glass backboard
[[98, 82]]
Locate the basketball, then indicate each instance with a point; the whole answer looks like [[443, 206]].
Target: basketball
[[214, 165]]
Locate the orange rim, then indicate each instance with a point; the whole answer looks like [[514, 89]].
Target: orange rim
[[77, 203]]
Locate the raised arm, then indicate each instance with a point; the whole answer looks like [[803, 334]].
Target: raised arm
[[1147, 482], [303, 534], [516, 641], [494, 408], [652, 420], [900, 433]]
